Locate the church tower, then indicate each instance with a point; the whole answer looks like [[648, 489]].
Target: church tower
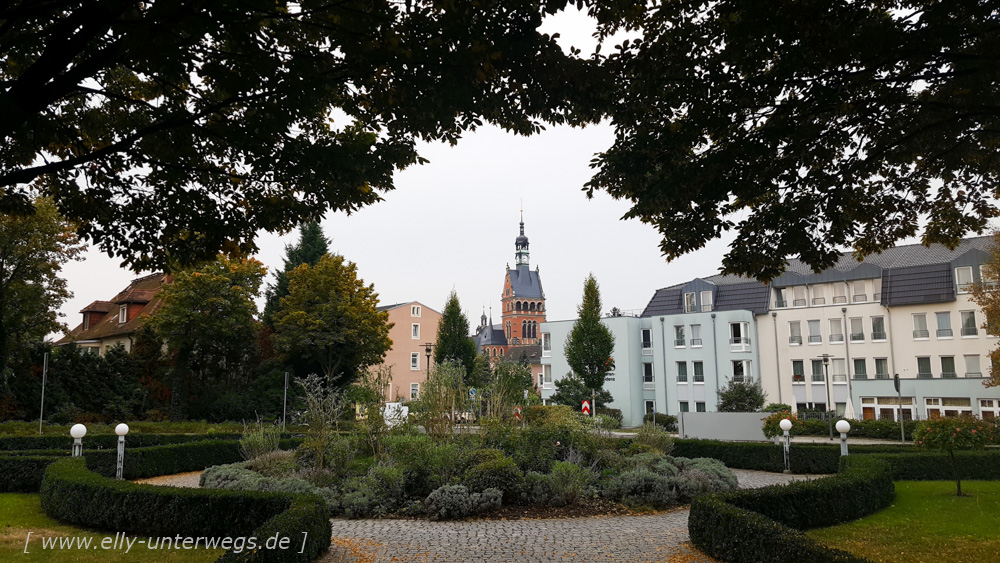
[[523, 299]]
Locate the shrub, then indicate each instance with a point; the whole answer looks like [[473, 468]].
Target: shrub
[[655, 437], [23, 473], [776, 407], [570, 483], [666, 421], [537, 489], [613, 413], [608, 422], [259, 439], [140, 463], [455, 501], [275, 463], [377, 494], [641, 488], [501, 474]]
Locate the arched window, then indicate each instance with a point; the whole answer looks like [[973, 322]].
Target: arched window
[[517, 306], [541, 306], [532, 307]]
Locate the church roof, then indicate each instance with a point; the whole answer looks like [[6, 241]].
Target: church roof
[[525, 283], [491, 335]]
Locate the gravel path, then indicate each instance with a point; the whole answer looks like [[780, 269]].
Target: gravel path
[[188, 480]]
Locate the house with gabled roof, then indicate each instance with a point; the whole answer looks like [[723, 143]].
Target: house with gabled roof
[[115, 322]]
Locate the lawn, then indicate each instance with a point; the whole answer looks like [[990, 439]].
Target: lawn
[[21, 513], [926, 523]]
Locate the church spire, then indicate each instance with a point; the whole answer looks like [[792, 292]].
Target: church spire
[[521, 247]]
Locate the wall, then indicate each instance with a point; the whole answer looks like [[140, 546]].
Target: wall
[[403, 344], [740, 426]]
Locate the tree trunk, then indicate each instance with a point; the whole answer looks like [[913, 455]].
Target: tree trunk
[[955, 473], [593, 403]]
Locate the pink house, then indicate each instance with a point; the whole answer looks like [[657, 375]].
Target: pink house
[[414, 326]]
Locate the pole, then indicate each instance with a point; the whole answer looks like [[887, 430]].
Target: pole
[[843, 443], [121, 458], [788, 441], [829, 396], [284, 404], [45, 375], [899, 407]]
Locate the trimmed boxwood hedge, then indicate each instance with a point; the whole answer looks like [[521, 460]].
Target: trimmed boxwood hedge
[[763, 524], [23, 473], [72, 493], [766, 456], [981, 465], [106, 441]]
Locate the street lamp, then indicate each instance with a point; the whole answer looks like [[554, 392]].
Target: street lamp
[[78, 431], [786, 425], [427, 351], [843, 427], [829, 396], [121, 430]]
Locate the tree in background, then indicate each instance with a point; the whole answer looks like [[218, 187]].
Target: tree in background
[[312, 245], [590, 343], [741, 396], [510, 379], [170, 132], [987, 296], [805, 127], [208, 323], [953, 433], [572, 391], [453, 340], [331, 317], [33, 249]]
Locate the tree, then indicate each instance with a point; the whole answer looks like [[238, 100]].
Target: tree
[[571, 391], [590, 344], [208, 323], [741, 396], [803, 127], [332, 317], [171, 131], [33, 249], [453, 340], [987, 296], [953, 433], [510, 379], [311, 247]]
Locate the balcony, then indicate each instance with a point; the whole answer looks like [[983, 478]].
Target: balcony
[[836, 338], [647, 349], [679, 343], [813, 338], [682, 379], [969, 331], [840, 299], [861, 376], [795, 340], [948, 375], [857, 337], [699, 378], [921, 334], [818, 378], [860, 298], [798, 378], [876, 297], [839, 378], [881, 376], [878, 336], [924, 375], [695, 342], [706, 308], [648, 385], [944, 333], [973, 374], [799, 303], [819, 300], [739, 344], [738, 378], [780, 304]]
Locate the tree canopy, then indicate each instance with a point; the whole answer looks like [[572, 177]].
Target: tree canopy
[[171, 131], [987, 296], [332, 317], [805, 126], [453, 340], [312, 245], [590, 344], [33, 249], [741, 396]]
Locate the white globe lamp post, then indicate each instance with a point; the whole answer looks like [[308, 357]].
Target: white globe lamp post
[[78, 431], [785, 426], [121, 430], [843, 427]]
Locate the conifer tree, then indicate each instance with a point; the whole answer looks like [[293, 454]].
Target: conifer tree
[[590, 343], [311, 247], [453, 340]]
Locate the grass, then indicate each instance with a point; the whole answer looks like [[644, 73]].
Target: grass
[[22, 513], [926, 523], [17, 428]]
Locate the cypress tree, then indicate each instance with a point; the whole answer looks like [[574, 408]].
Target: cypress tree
[[453, 340], [590, 343]]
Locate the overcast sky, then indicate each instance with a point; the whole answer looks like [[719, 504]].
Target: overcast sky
[[451, 224]]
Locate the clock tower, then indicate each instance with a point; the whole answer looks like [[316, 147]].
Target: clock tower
[[521, 249]]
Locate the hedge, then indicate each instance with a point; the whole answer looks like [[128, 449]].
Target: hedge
[[106, 441], [72, 493], [764, 524], [766, 456], [23, 473], [931, 466]]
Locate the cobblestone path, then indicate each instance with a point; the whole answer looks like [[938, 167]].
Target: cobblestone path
[[657, 537]]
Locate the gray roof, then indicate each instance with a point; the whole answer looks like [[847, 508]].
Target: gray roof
[[932, 283], [491, 335], [746, 296], [526, 283]]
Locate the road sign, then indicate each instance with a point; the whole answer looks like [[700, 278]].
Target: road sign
[[586, 408], [472, 392], [517, 413]]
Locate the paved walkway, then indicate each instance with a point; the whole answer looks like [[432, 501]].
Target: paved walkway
[[656, 537]]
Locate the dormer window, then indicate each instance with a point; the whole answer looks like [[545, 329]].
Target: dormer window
[[122, 314], [706, 300], [690, 302], [963, 277], [86, 321]]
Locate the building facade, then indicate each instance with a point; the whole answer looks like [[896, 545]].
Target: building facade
[[413, 326]]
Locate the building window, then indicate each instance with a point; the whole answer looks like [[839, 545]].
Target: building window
[[972, 367], [878, 328], [123, 313], [836, 331], [700, 407], [887, 408], [647, 375], [819, 295], [414, 391], [857, 330], [415, 361], [547, 376], [739, 340], [699, 372], [969, 327], [986, 276], [646, 335], [881, 368], [679, 337], [924, 367], [799, 292], [415, 331], [920, 326], [948, 366], [963, 278], [86, 321], [696, 336], [947, 406], [794, 333], [815, 334], [840, 292], [781, 301], [798, 372], [682, 372], [546, 344], [741, 371], [684, 406], [943, 325], [706, 301], [860, 295], [817, 371], [690, 303], [860, 369], [838, 370], [650, 407], [414, 310]]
